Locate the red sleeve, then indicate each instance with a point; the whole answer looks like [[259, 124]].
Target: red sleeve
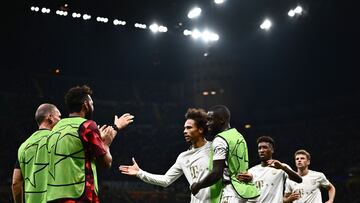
[[91, 136]]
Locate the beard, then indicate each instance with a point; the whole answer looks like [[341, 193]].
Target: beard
[[213, 131], [89, 115]]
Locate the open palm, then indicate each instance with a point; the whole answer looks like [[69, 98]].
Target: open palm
[[130, 170]]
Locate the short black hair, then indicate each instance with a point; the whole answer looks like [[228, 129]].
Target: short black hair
[[199, 116], [76, 96], [43, 111], [266, 139], [222, 112]]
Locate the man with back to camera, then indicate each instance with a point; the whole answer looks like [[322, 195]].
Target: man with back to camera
[[309, 190], [270, 175], [230, 160], [76, 147], [30, 172], [193, 163]]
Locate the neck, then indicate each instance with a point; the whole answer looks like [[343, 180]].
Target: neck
[[226, 127], [199, 143], [45, 126], [264, 162], [80, 114], [303, 172]]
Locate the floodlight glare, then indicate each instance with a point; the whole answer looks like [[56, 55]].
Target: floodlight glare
[[196, 34], [195, 12], [298, 10], [154, 27], [291, 13], [163, 29], [187, 32], [219, 1], [266, 24]]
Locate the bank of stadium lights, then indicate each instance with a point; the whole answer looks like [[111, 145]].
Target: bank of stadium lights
[[119, 22], [157, 28], [194, 13], [266, 25], [139, 25], [102, 19], [86, 17], [76, 15], [209, 93], [34, 8], [206, 35], [45, 10], [297, 11], [61, 13]]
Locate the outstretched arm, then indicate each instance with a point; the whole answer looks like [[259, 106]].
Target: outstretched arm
[[211, 178], [17, 186], [278, 165], [162, 180]]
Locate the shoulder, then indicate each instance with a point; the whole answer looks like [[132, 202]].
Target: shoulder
[[254, 168], [219, 141]]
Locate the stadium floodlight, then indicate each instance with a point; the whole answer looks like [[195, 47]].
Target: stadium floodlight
[[162, 28], [291, 13], [36, 9], [195, 12], [139, 25], [187, 32], [298, 10], [44, 10], [214, 37], [196, 34], [154, 28], [219, 1], [266, 24], [86, 17]]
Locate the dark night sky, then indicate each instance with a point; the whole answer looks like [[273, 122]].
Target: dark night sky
[[301, 54]]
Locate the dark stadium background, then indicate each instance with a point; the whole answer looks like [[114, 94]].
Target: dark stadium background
[[296, 82]]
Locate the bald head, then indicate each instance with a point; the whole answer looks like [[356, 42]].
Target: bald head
[[47, 113]]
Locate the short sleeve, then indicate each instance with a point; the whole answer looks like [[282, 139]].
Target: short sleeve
[[91, 137], [324, 182], [220, 147]]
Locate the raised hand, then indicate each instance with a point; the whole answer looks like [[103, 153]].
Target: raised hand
[[275, 164], [130, 170], [123, 121], [107, 134]]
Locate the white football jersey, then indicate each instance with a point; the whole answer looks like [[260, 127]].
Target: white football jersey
[[270, 182], [309, 189], [193, 163]]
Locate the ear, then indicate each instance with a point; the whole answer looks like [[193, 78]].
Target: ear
[[86, 104], [201, 130]]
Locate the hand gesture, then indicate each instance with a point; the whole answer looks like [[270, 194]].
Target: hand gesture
[[294, 196], [123, 121], [130, 170], [245, 177], [275, 164], [107, 134]]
